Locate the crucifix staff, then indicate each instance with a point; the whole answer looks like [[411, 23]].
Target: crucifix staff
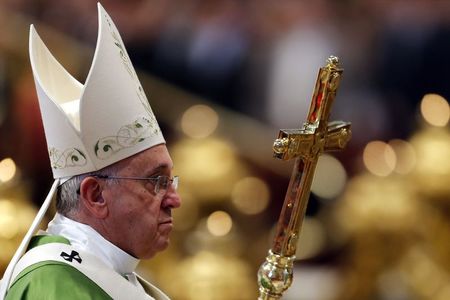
[[305, 146]]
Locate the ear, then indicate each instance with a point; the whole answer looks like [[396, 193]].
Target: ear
[[91, 197]]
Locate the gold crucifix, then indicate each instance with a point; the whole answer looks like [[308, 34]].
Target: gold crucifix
[[305, 145]]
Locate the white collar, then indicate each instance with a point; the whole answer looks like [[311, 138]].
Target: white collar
[[85, 238]]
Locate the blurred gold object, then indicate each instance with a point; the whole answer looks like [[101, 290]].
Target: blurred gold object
[[211, 275], [305, 145], [16, 215], [394, 228], [432, 170]]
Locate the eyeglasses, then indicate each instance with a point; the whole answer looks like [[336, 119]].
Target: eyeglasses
[[162, 183]]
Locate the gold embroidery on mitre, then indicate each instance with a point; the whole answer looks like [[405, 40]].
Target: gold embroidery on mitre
[[128, 136], [71, 157]]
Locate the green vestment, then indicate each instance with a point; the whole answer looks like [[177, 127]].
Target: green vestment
[[51, 280]]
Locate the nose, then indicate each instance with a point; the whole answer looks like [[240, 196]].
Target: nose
[[171, 199]]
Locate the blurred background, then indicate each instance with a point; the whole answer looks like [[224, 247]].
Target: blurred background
[[223, 76]]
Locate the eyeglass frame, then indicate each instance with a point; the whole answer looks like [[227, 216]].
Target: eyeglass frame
[[171, 182]]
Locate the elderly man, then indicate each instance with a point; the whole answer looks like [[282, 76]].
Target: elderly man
[[113, 181]]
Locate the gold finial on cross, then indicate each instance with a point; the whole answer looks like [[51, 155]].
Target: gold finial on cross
[[306, 144]]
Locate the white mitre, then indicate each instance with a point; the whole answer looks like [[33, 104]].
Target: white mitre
[[90, 126]]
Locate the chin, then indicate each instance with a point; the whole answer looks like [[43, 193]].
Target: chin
[[161, 245]]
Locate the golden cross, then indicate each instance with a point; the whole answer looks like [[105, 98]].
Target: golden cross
[[305, 145]]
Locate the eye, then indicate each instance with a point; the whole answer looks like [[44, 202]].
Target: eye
[[164, 181], [149, 184]]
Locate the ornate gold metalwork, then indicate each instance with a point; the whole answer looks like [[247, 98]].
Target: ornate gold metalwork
[[305, 145]]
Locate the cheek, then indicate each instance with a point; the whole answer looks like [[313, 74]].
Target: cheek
[[143, 214], [137, 211], [126, 208]]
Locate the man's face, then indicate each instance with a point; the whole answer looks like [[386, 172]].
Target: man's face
[[139, 221]]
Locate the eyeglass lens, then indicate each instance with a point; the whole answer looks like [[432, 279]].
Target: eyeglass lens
[[164, 182]]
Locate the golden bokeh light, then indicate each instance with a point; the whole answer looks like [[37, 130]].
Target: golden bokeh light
[[7, 169], [330, 177], [219, 223], [209, 167], [16, 215], [199, 121], [377, 202], [250, 195], [9, 226], [435, 110], [203, 160], [211, 275], [379, 158], [312, 239], [432, 170], [405, 154], [433, 154]]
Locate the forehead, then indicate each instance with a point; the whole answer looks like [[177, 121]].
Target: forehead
[[147, 161]]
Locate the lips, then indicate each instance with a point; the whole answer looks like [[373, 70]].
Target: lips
[[168, 221], [165, 227]]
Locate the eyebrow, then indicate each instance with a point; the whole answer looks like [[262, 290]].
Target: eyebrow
[[159, 168]]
